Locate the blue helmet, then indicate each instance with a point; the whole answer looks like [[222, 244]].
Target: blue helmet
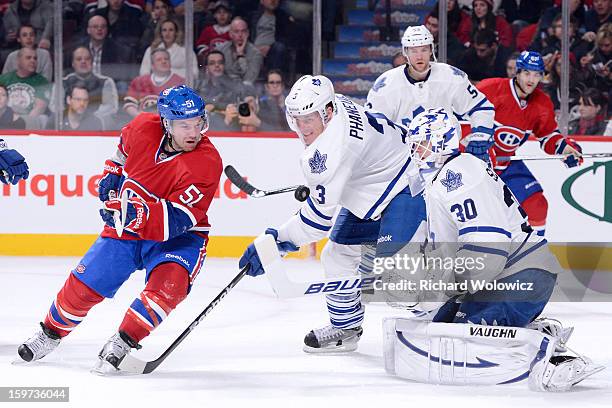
[[530, 61], [180, 102]]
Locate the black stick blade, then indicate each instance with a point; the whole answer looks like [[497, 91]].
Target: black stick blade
[[236, 179]]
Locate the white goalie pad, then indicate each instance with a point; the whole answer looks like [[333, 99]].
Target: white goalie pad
[[462, 354]]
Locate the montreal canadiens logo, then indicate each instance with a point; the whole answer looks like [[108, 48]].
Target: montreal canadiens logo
[[508, 138], [80, 268]]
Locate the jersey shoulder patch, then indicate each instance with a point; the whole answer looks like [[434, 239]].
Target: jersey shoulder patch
[[317, 162], [380, 83]]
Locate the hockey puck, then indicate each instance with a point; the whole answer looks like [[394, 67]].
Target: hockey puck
[[302, 193]]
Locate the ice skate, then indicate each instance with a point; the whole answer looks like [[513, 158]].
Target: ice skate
[[330, 339], [39, 345], [562, 373], [554, 328], [115, 349]]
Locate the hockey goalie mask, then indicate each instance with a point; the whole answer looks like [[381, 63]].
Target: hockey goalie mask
[[310, 94], [433, 136], [417, 36]]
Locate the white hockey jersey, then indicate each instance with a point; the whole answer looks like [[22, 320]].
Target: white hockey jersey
[[360, 161], [471, 213], [401, 98]]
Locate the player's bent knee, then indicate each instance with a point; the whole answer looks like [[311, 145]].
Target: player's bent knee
[[461, 354], [340, 260], [168, 283], [536, 207]]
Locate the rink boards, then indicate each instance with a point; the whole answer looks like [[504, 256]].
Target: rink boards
[[55, 212]]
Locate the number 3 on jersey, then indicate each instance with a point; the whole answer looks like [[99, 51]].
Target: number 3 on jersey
[[321, 190]]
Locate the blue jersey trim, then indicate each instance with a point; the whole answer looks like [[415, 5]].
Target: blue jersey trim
[[387, 190], [319, 213], [485, 228], [313, 224], [478, 248], [479, 106], [523, 254]]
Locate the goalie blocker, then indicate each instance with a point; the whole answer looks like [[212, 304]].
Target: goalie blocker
[[472, 354]]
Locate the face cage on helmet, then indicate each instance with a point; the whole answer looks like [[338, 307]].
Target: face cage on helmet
[[423, 160]]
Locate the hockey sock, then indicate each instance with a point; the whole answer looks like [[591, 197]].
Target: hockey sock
[[167, 287], [536, 207], [345, 310], [70, 306]]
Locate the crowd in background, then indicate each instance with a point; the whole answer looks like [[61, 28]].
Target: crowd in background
[[119, 54]]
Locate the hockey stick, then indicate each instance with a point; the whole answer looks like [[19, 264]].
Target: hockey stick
[[133, 365], [284, 287], [301, 192], [554, 157]]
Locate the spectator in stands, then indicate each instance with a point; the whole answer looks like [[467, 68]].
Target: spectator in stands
[[247, 121], [27, 39], [551, 83], [578, 46], [108, 56], [219, 89], [511, 65], [144, 90], [459, 22], [600, 14], [28, 91], [159, 11], [484, 19], [274, 32], [8, 118], [214, 35], [399, 59], [243, 60], [486, 58], [592, 110], [272, 104], [526, 11], [77, 116], [37, 13], [102, 91], [454, 48], [577, 10], [124, 25], [602, 57], [169, 36]]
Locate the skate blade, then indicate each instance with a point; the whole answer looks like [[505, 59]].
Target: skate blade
[[587, 373], [104, 368], [18, 361], [345, 348]]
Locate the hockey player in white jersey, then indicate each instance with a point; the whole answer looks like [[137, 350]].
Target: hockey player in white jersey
[[423, 83], [471, 214], [355, 159]]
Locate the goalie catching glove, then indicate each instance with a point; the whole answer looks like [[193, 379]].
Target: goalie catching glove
[[251, 256], [136, 216]]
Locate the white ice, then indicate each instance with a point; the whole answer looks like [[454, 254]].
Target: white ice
[[249, 350]]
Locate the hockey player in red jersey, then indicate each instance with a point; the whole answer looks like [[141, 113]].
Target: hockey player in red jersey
[[168, 171], [521, 110]]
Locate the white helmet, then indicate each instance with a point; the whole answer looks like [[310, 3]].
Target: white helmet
[[309, 94], [416, 36], [433, 135]]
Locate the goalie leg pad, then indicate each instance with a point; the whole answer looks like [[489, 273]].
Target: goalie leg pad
[[167, 286], [462, 354]]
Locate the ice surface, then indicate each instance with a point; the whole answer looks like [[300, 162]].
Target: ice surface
[[249, 350]]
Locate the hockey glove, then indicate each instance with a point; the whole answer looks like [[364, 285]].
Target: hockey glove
[[136, 217], [110, 183], [251, 257], [12, 167], [571, 150], [478, 144]]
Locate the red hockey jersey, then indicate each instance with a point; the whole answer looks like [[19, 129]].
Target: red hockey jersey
[[178, 189], [516, 119]]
